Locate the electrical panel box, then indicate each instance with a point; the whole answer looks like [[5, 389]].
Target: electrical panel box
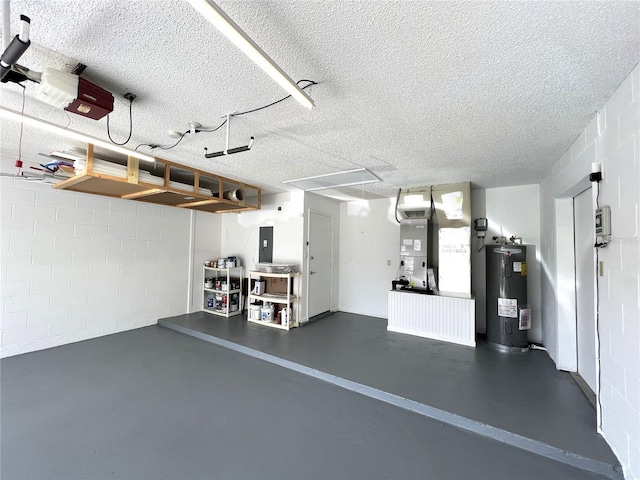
[[603, 221], [480, 225], [603, 225]]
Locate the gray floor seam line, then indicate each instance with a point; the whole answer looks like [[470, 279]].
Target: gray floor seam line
[[474, 426]]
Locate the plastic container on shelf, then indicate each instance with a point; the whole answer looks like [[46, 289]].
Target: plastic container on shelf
[[255, 312], [284, 316], [276, 268], [267, 312]]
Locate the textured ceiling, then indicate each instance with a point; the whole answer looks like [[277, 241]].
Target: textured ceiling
[[419, 92]]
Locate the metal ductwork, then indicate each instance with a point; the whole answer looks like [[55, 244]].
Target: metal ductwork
[[237, 195], [415, 203]]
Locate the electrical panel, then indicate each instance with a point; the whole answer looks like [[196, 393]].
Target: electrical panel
[[603, 226], [480, 225]]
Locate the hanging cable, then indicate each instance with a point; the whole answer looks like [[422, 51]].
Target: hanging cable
[[153, 146], [211, 130], [310, 83], [130, 126], [396, 209], [19, 160], [599, 383]]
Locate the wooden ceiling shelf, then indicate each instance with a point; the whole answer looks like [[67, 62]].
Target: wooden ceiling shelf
[[162, 182]]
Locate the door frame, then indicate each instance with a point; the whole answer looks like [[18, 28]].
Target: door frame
[[566, 310], [308, 258], [594, 280]]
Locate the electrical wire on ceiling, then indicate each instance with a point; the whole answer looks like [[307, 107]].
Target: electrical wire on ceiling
[[153, 146], [309, 84], [130, 125]]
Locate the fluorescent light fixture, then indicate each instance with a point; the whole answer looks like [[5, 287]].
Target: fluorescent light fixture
[[52, 127], [347, 178], [68, 155], [236, 35]]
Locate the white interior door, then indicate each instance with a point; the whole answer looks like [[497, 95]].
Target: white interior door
[[585, 290], [320, 265]]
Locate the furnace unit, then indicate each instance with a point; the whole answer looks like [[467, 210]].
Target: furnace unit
[[413, 251], [414, 207]]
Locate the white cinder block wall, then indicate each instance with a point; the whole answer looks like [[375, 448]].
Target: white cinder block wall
[[611, 139], [76, 266]]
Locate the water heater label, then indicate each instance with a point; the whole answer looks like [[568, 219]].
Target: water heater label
[[525, 319], [517, 266], [508, 307]]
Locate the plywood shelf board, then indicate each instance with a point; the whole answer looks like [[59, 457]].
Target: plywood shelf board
[[128, 186]]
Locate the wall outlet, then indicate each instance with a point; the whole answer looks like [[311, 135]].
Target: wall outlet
[[388, 263]]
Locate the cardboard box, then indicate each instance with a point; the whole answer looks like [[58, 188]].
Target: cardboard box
[[277, 286]]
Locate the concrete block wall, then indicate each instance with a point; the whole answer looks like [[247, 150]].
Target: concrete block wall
[[75, 266], [612, 140], [618, 149]]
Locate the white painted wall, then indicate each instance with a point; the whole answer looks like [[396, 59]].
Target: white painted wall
[[612, 139], [330, 207], [75, 266], [369, 236], [241, 231], [478, 259], [206, 238], [516, 209]]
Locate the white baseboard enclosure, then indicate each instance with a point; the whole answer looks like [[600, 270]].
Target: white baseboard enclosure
[[449, 319]]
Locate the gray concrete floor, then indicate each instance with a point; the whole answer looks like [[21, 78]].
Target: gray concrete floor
[[152, 403], [520, 393]]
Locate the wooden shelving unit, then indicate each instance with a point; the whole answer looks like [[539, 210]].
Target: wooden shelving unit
[[223, 295], [288, 299], [162, 182]]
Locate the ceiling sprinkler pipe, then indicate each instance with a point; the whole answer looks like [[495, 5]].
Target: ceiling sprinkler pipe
[[25, 29], [16, 48]]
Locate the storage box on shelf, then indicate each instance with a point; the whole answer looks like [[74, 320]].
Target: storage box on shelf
[[162, 182], [274, 289], [223, 291]]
